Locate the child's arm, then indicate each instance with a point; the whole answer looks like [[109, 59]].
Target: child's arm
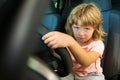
[[57, 39], [83, 57]]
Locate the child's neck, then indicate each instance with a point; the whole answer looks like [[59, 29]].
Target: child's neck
[[85, 43]]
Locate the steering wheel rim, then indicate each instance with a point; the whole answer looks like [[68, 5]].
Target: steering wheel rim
[[62, 52]]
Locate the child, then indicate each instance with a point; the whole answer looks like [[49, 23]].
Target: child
[[84, 42]]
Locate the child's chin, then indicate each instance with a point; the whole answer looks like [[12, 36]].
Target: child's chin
[[82, 40]]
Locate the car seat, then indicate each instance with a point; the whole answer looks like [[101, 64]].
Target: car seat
[[111, 24]]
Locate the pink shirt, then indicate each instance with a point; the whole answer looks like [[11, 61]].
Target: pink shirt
[[97, 46]]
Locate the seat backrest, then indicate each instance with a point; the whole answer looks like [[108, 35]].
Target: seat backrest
[[111, 22], [112, 52], [51, 17]]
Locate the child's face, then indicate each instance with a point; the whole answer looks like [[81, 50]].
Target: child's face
[[82, 33]]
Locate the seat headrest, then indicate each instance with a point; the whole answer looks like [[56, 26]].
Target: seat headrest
[[103, 4]]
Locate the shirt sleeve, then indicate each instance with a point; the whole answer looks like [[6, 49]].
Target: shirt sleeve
[[98, 46]]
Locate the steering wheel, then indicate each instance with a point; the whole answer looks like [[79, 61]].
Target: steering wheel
[[61, 66]]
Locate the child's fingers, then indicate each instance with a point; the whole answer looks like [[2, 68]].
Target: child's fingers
[[48, 40], [47, 35]]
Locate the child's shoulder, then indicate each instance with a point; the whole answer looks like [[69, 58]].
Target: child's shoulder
[[96, 42]]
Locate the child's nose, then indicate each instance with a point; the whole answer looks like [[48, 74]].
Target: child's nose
[[81, 32]]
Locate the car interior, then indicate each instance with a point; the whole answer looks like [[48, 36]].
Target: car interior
[[24, 56]]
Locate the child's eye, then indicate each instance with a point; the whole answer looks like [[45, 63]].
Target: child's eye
[[86, 29], [76, 28]]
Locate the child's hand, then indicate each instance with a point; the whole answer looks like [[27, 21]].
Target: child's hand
[[57, 39]]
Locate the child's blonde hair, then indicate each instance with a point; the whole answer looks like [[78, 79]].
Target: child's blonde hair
[[88, 14]]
